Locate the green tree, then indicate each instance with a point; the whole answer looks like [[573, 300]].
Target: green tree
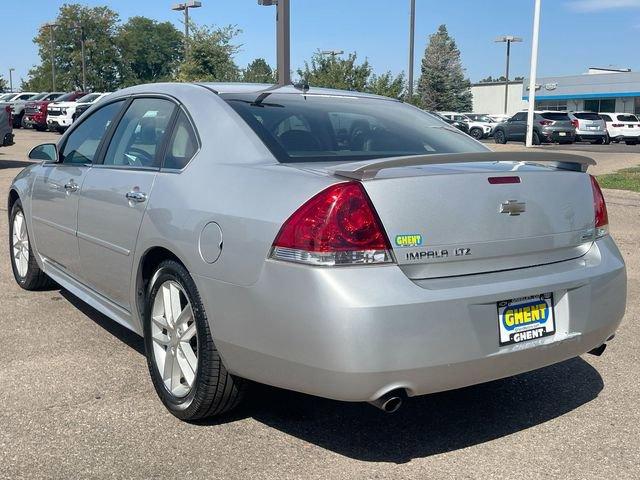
[[334, 72], [150, 51], [103, 65], [3, 84], [387, 85], [442, 84], [210, 57], [259, 71]]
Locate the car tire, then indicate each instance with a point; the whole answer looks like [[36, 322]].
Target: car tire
[[536, 138], [598, 141], [476, 133], [17, 121], [201, 387], [631, 142], [26, 270], [607, 140], [39, 128], [499, 137]]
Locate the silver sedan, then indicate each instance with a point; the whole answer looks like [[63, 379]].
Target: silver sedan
[[333, 243]]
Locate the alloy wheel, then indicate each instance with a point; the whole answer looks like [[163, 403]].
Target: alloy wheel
[[20, 244], [175, 338]]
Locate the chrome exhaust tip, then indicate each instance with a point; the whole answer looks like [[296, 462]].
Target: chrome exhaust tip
[[390, 402]]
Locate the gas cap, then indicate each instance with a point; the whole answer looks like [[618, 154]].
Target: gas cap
[[210, 242]]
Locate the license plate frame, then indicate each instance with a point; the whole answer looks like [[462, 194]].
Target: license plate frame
[[524, 319]]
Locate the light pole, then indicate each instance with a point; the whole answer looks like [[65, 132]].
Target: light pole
[[333, 53], [534, 72], [283, 21], [412, 32], [508, 39], [11, 70], [51, 26], [84, 70], [184, 7]]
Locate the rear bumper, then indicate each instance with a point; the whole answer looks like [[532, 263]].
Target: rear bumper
[[591, 134], [356, 333], [558, 136]]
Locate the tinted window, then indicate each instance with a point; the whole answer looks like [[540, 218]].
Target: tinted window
[[66, 97], [26, 96], [308, 128], [519, 117], [587, 116], [137, 140], [561, 117], [40, 96], [55, 96], [88, 98], [183, 144], [82, 144], [627, 118], [606, 118]]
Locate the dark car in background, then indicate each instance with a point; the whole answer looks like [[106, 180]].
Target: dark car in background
[[6, 126], [548, 127], [36, 109], [462, 126]]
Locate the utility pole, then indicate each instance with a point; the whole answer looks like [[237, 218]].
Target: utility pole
[[51, 26], [508, 39], [84, 70], [283, 38], [534, 72], [184, 7], [11, 70], [412, 32]]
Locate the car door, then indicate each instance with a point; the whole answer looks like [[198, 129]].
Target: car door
[[114, 196], [54, 205], [517, 126]]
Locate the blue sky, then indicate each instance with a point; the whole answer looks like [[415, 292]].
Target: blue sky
[[575, 34]]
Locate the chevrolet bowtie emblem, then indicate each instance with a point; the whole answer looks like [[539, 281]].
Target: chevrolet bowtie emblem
[[513, 207]]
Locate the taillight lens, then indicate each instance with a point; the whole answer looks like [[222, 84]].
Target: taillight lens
[[338, 226], [575, 123], [600, 209], [545, 122], [617, 125]]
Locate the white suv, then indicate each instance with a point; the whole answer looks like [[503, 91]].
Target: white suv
[[60, 115], [477, 130], [622, 127]]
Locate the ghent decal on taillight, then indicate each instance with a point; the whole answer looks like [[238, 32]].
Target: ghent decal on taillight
[[338, 226]]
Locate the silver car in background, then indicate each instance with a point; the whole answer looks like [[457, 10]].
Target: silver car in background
[[328, 242], [590, 127]]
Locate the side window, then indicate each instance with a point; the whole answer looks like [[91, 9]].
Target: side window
[[606, 118], [519, 117], [25, 97], [183, 144], [82, 144], [137, 140]]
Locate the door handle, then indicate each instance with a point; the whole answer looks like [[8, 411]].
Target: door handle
[[71, 186], [138, 197]]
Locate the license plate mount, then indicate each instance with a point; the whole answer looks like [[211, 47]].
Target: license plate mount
[[525, 318]]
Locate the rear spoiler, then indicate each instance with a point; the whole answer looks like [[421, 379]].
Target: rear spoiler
[[369, 169]]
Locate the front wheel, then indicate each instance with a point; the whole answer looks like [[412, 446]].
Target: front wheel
[[499, 137], [184, 363], [476, 133], [536, 138], [25, 268]]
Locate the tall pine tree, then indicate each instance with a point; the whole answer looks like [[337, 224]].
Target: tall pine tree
[[442, 85]]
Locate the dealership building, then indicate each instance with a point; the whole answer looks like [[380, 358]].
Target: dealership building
[[598, 90]]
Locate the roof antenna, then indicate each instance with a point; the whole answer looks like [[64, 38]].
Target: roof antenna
[[302, 85]]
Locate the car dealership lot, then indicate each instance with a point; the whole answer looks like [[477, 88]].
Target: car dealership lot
[[77, 400]]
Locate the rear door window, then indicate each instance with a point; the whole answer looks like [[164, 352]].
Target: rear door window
[[140, 133], [183, 144], [519, 117]]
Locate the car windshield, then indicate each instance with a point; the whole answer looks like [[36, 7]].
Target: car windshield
[[557, 116], [587, 116], [6, 96], [316, 128], [88, 98], [66, 97], [38, 97]]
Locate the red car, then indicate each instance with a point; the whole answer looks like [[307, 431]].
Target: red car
[[35, 112]]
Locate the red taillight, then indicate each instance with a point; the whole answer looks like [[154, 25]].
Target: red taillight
[[600, 209], [338, 226], [43, 107], [617, 125], [544, 123], [575, 123]]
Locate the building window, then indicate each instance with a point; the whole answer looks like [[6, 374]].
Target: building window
[[636, 106], [600, 105], [555, 105]]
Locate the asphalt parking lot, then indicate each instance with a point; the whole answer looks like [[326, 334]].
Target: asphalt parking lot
[[77, 401]]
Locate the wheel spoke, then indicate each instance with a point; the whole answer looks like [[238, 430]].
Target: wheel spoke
[[166, 302], [160, 339], [188, 371], [175, 303], [188, 333], [185, 316], [160, 321], [168, 368], [175, 373]]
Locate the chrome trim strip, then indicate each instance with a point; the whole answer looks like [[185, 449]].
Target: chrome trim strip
[[51, 224], [105, 244]]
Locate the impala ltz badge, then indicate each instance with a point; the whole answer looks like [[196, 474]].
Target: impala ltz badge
[[513, 207]]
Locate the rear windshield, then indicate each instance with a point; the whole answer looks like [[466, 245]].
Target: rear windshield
[[88, 98], [66, 97], [627, 118], [39, 96], [555, 116], [587, 116], [322, 128]]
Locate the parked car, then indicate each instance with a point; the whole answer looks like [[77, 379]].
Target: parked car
[[17, 102], [480, 117], [462, 126], [6, 126], [548, 127], [589, 127], [315, 243], [499, 117], [35, 111], [622, 127], [83, 105], [477, 130], [60, 113]]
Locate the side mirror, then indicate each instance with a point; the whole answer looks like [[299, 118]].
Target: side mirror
[[47, 152]]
